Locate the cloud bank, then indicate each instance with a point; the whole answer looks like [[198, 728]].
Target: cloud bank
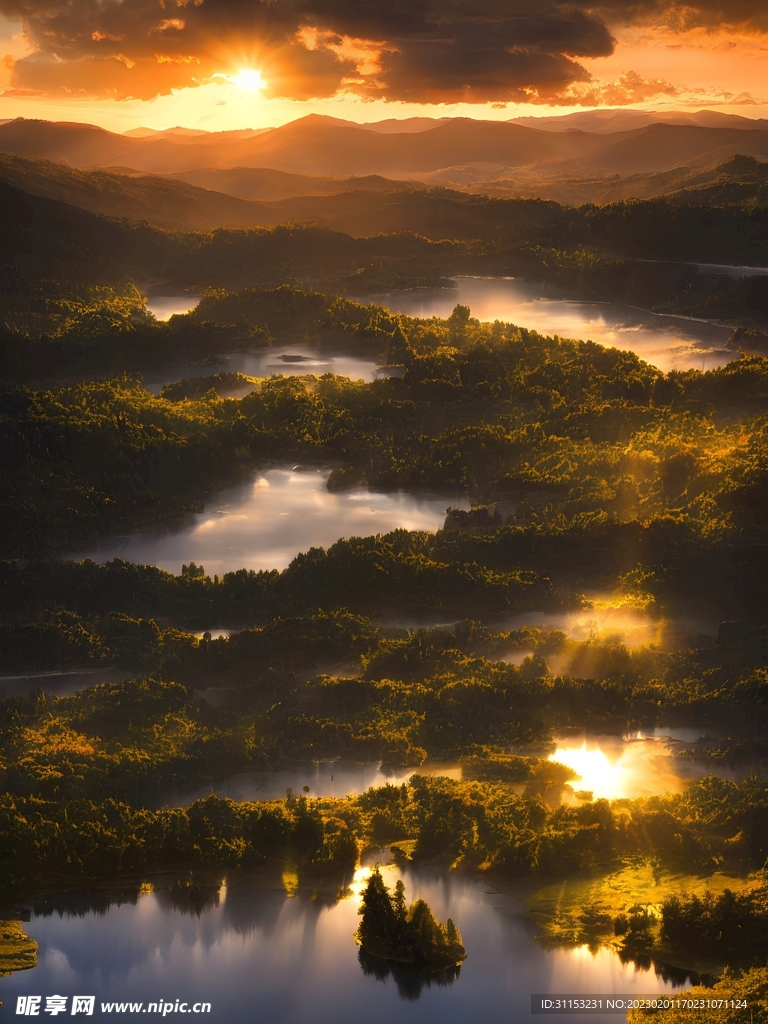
[[422, 51]]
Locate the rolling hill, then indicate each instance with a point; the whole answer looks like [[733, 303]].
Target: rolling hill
[[381, 206], [164, 202], [265, 183], [731, 195]]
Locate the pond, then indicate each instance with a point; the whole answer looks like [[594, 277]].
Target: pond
[[261, 951], [264, 524], [285, 360], [669, 342]]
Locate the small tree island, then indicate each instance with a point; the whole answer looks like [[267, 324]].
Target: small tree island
[[408, 937]]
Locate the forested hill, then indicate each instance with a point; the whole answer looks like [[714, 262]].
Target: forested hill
[[47, 238], [723, 221], [162, 201], [629, 251]]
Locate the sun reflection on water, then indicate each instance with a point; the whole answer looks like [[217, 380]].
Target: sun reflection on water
[[615, 768], [597, 774]]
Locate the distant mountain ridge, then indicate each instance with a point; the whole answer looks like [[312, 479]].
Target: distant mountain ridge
[[322, 146], [619, 120]]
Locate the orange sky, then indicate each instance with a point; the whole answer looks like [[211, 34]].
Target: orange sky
[[130, 74]]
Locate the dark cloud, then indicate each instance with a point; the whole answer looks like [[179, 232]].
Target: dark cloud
[[419, 50], [751, 15]]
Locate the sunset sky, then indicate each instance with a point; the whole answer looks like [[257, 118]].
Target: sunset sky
[[221, 64]]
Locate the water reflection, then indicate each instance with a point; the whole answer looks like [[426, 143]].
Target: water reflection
[[190, 896], [610, 766], [265, 523], [409, 985], [332, 778], [615, 767], [669, 342], [258, 955], [60, 684], [165, 306], [285, 361]]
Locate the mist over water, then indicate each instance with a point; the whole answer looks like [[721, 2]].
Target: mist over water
[[264, 524], [59, 684], [669, 342]]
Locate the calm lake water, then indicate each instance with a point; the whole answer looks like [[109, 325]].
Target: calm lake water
[[669, 342], [60, 684], [266, 523], [337, 778], [285, 360], [610, 766], [260, 956], [166, 306]]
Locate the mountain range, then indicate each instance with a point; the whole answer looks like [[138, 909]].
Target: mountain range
[[322, 146], [361, 207]]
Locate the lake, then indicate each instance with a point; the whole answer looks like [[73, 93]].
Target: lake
[[285, 360], [264, 952], [59, 684], [265, 523], [326, 778], [669, 342], [163, 307], [610, 766]]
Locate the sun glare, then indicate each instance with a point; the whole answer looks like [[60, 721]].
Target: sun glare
[[249, 79], [597, 774]]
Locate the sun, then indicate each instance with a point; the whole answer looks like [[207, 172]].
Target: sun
[[249, 78]]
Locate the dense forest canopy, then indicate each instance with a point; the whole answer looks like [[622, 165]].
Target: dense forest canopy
[[610, 468], [592, 477]]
